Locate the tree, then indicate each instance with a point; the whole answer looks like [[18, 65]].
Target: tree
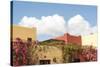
[[71, 52]]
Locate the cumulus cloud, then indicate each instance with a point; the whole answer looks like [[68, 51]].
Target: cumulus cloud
[[52, 25], [78, 25], [56, 25]]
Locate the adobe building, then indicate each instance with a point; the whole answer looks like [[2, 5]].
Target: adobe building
[[45, 54], [23, 33], [90, 40], [67, 38], [22, 38]]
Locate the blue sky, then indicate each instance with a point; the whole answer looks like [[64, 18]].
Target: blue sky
[[30, 9], [35, 9]]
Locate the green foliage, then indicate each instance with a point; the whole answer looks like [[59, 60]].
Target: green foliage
[[52, 42], [70, 50]]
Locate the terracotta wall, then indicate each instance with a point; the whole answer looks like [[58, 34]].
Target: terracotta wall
[[74, 39], [70, 39]]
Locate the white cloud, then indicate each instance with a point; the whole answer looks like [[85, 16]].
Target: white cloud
[[77, 25], [52, 25], [55, 25]]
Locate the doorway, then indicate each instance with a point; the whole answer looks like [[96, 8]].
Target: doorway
[[44, 62]]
